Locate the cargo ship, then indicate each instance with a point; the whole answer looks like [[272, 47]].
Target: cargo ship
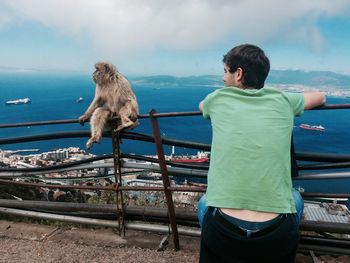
[[19, 101], [312, 127]]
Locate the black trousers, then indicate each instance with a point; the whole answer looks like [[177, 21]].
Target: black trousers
[[221, 241]]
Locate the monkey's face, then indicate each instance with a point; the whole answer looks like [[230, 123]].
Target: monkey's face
[[104, 73]]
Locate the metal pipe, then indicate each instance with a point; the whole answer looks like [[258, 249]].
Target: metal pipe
[[325, 195], [187, 189], [149, 213], [107, 223], [155, 188], [58, 206], [199, 166], [38, 123], [305, 225], [162, 229], [107, 188], [81, 187], [171, 170], [98, 158], [98, 222], [48, 216], [166, 141], [118, 174], [173, 142], [305, 248], [331, 242], [58, 166], [324, 166], [165, 178], [43, 137], [342, 228], [322, 157], [333, 107], [157, 115], [14, 173], [180, 213], [338, 175], [151, 167]]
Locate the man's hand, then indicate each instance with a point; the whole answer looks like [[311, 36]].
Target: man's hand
[[314, 99]]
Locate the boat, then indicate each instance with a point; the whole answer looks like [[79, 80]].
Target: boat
[[18, 101], [80, 99], [312, 127], [191, 160]]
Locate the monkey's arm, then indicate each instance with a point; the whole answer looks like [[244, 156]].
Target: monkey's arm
[[88, 113]]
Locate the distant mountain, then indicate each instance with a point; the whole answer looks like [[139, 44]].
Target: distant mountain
[[322, 79], [16, 70], [309, 78], [165, 80], [300, 77]]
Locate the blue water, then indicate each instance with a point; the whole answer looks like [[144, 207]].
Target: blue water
[[54, 98]]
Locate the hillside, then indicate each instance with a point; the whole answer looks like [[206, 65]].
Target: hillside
[[299, 77]]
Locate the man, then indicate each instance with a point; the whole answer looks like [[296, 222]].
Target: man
[[252, 215]]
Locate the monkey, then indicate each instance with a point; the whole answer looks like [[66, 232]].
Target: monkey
[[113, 97]]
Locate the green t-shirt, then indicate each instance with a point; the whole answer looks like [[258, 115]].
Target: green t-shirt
[[250, 155]]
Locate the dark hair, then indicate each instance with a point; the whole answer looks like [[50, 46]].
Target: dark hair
[[252, 60]]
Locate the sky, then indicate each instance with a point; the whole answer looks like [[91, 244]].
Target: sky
[[173, 37]]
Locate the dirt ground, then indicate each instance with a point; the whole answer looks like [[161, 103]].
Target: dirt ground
[[30, 242], [23, 242]]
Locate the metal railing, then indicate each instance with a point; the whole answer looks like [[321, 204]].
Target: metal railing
[[166, 168]]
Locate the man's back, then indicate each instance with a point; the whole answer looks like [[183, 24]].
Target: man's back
[[250, 148]]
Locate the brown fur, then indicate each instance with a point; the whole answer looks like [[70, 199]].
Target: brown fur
[[113, 96]]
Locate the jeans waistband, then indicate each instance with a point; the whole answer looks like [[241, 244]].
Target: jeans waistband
[[235, 227]]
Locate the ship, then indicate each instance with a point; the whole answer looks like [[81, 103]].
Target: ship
[[80, 99], [18, 101], [312, 127], [191, 160]]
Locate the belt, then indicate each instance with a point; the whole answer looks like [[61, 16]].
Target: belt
[[246, 232]]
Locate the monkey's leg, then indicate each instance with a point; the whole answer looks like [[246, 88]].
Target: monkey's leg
[[97, 122], [124, 114]]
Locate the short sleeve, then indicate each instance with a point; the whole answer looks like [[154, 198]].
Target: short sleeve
[[206, 106], [297, 102]]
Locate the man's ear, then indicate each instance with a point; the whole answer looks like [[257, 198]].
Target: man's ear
[[239, 74]]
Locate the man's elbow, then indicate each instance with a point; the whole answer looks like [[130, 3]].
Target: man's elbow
[[200, 106]]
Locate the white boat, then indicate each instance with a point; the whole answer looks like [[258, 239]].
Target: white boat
[[312, 127], [18, 101], [80, 99]]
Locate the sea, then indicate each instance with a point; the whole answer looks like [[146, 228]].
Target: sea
[[54, 97]]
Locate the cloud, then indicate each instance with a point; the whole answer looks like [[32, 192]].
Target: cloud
[[123, 27]]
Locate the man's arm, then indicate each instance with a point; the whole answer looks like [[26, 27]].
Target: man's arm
[[200, 106], [314, 99]]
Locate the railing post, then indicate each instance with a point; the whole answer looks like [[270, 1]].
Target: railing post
[[165, 178], [118, 176]]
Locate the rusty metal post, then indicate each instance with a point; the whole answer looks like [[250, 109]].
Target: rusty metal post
[[118, 176], [165, 178]]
